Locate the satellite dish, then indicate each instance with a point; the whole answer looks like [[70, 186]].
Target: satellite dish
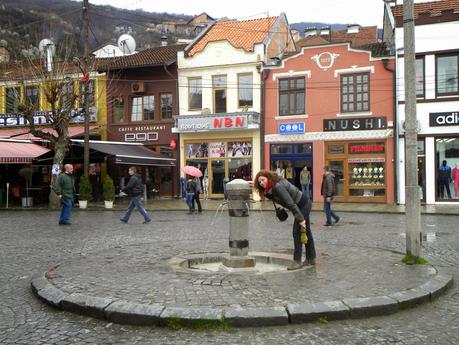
[[126, 43], [46, 46]]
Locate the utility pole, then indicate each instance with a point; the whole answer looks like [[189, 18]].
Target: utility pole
[[413, 202], [85, 80]]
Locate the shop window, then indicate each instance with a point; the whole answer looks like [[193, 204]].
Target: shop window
[[291, 96], [118, 110], [447, 75], [335, 149], [143, 108], [447, 150], [355, 93], [304, 148], [281, 149], [245, 89], [32, 96], [166, 106], [420, 88], [240, 168], [195, 94], [11, 100], [90, 92], [219, 91]]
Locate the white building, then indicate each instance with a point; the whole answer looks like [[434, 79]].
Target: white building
[[220, 97], [437, 88]]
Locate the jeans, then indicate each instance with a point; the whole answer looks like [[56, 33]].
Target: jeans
[[444, 184], [310, 249], [136, 202], [305, 190], [198, 202], [329, 213], [66, 211], [189, 201]]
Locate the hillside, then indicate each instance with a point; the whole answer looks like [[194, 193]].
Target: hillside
[[23, 23]]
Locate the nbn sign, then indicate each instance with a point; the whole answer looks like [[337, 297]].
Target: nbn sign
[[291, 128]]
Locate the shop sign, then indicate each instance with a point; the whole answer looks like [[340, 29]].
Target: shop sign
[[42, 118], [355, 124], [450, 118], [291, 128], [217, 149], [211, 123], [366, 148], [367, 160]]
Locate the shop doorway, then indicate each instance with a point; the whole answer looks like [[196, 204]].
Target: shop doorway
[[217, 174], [337, 168]]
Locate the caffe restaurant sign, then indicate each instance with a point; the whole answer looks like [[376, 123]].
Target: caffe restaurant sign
[[211, 123]]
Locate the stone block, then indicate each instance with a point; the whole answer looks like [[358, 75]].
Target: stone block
[[411, 298], [86, 305], [124, 312], [39, 282], [371, 306], [52, 295], [254, 317], [239, 261], [191, 315], [434, 287], [309, 311]]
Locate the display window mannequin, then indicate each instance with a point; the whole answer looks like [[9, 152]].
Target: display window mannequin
[[455, 177]]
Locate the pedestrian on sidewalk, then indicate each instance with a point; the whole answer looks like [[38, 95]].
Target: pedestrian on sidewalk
[[198, 190], [190, 193], [268, 184], [65, 190], [305, 180], [135, 190], [328, 190]]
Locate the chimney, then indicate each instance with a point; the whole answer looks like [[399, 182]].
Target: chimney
[[325, 31], [311, 31], [163, 41], [295, 35], [353, 28]]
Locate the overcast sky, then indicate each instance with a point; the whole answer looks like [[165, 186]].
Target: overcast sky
[[363, 12]]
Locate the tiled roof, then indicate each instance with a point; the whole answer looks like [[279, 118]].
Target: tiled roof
[[365, 35], [148, 57], [378, 49], [432, 8], [240, 33]]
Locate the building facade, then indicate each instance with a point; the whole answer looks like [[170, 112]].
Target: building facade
[[332, 104], [437, 91], [220, 98]]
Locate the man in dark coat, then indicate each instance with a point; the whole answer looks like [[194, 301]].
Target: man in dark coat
[[135, 190], [328, 190], [65, 190]]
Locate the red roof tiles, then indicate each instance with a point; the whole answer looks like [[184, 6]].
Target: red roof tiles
[[365, 35], [433, 8]]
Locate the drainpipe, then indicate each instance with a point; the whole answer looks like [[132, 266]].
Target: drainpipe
[[395, 138], [264, 76], [177, 102]]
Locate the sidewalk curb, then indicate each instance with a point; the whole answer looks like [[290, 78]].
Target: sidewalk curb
[[125, 312]]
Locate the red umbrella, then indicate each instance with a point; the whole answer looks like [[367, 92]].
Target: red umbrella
[[192, 171]]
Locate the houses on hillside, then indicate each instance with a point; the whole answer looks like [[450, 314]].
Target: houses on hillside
[[246, 95]]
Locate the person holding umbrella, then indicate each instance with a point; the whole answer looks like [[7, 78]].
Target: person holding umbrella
[[192, 175]]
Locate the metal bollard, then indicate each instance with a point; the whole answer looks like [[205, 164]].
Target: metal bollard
[[238, 208]]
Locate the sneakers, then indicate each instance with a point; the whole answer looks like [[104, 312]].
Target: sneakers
[[123, 220], [327, 225], [294, 266], [337, 220], [147, 221], [65, 223]]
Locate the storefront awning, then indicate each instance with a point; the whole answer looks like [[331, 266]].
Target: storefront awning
[[75, 131], [19, 151], [128, 153]]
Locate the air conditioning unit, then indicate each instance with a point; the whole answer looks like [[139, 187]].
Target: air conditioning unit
[[137, 87]]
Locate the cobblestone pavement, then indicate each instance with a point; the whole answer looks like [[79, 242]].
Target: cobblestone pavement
[[32, 242]]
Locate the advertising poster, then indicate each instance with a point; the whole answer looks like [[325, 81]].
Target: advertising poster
[[239, 149], [217, 149], [199, 150]]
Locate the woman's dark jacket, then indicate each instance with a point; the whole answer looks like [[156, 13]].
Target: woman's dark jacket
[[287, 195], [134, 186]]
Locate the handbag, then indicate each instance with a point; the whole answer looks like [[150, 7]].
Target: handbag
[[281, 213]]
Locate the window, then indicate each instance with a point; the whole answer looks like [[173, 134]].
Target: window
[[12, 100], [447, 74], [166, 106], [67, 95], [143, 108], [420, 77], [219, 88], [245, 84], [32, 96], [90, 85], [355, 93], [291, 96], [194, 94], [118, 110], [447, 168]]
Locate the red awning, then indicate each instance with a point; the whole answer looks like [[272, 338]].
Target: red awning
[[8, 133], [19, 152], [74, 131]]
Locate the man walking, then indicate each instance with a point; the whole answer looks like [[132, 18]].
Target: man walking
[[305, 180], [65, 190], [328, 191], [135, 190]]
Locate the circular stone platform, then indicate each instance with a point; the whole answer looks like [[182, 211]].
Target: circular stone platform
[[148, 284]]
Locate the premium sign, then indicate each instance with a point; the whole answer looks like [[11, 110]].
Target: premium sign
[[366, 148], [450, 118], [291, 128], [211, 123], [40, 118], [355, 124]]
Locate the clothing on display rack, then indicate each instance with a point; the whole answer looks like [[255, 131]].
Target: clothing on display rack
[[455, 178]]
